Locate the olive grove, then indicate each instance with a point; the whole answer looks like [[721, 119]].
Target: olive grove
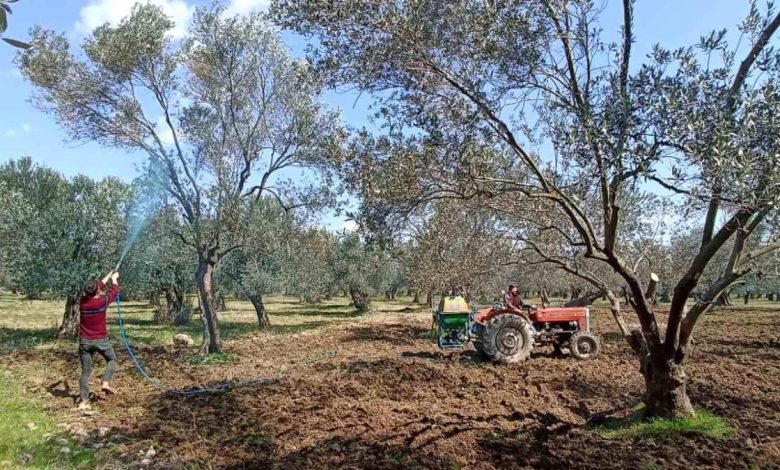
[[524, 110]]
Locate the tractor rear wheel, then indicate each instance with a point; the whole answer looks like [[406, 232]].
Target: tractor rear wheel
[[506, 338], [585, 346]]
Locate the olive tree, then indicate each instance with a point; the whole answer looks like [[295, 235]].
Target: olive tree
[[456, 246], [470, 90], [308, 271], [58, 235], [358, 268], [224, 113], [257, 269], [160, 263]]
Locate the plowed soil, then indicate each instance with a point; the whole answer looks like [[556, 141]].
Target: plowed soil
[[374, 393]]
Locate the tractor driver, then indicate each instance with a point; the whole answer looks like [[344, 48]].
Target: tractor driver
[[512, 299]]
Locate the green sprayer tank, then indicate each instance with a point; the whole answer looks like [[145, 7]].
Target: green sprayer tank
[[452, 320]]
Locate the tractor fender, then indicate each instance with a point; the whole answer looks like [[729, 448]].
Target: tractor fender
[[487, 314], [484, 315]]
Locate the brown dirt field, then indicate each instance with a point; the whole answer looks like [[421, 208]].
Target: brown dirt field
[[373, 393]]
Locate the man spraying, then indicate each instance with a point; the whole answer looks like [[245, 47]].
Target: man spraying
[[93, 335]]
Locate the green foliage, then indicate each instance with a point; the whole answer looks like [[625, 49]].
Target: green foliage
[[703, 422], [56, 234], [29, 436], [257, 268], [158, 260], [308, 272], [357, 264], [457, 246]]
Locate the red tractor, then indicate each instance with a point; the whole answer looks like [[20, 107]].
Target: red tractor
[[504, 335]]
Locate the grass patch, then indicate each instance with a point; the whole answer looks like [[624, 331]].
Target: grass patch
[[635, 425], [31, 439], [211, 359], [27, 324]]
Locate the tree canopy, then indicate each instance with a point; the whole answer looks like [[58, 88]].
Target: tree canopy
[[226, 113]]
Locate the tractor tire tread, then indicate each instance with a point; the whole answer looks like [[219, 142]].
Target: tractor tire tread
[[488, 345], [575, 350]]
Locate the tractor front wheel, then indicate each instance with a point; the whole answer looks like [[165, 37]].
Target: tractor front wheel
[[585, 346], [506, 338]]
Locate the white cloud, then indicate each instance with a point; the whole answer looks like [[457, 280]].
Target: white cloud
[[98, 12], [349, 226], [165, 133], [242, 7], [14, 131]]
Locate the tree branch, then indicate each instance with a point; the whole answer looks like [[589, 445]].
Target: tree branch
[[747, 63]]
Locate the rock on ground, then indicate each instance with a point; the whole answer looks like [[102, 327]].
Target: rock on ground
[[182, 340]]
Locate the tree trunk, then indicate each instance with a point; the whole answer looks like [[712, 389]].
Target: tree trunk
[[617, 314], [263, 322], [181, 312], [171, 313], [770, 297], [724, 300], [211, 340], [545, 297], [575, 293], [667, 394], [747, 297], [583, 301], [416, 298], [387, 294], [163, 314], [154, 298], [70, 319], [429, 299], [651, 294], [359, 299], [220, 302]]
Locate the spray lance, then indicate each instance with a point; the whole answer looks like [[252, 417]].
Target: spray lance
[[122, 258], [119, 263]]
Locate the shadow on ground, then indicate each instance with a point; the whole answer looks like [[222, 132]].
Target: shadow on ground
[[12, 339], [393, 333]]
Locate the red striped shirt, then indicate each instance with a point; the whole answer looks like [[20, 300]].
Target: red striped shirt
[[93, 313]]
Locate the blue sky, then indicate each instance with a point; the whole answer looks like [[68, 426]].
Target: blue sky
[[24, 131]]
